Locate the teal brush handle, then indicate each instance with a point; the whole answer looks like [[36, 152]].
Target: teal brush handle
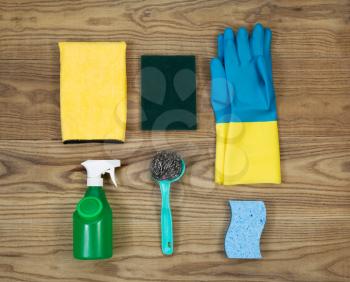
[[166, 219]]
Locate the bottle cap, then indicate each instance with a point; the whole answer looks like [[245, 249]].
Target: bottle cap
[[89, 207]]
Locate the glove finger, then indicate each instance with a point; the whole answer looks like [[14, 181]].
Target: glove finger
[[243, 46], [257, 40], [221, 47], [267, 49], [230, 59], [230, 52], [267, 41]]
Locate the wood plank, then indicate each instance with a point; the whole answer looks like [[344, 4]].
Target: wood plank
[[308, 217], [302, 29], [312, 96], [306, 236]]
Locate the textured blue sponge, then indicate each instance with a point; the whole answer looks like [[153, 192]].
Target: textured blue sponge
[[243, 235]]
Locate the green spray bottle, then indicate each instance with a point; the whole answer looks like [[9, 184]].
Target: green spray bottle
[[92, 219]]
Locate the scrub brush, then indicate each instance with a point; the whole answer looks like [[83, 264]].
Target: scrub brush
[[166, 168]]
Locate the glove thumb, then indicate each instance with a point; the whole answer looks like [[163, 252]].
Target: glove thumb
[[268, 93], [220, 101]]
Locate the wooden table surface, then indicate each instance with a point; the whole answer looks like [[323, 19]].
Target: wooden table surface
[[307, 235]]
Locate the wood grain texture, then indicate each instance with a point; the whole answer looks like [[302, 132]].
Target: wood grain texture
[[308, 217], [306, 237], [30, 98]]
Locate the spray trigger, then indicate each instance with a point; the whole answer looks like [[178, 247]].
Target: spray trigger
[[96, 168], [112, 175]]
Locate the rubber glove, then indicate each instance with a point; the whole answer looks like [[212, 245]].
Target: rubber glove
[[245, 109]]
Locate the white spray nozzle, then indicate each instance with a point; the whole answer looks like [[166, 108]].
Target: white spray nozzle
[[96, 168]]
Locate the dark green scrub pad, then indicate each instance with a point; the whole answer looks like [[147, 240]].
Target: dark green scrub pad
[[168, 92]]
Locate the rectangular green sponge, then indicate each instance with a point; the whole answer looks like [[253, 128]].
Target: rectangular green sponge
[[168, 92]]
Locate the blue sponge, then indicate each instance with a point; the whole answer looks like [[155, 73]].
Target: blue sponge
[[243, 235]]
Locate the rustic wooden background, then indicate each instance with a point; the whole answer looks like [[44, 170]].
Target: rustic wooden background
[[307, 236]]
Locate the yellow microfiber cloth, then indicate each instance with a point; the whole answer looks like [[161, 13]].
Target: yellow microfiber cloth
[[93, 91]]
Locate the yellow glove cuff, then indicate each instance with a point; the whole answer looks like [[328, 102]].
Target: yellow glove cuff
[[251, 153]]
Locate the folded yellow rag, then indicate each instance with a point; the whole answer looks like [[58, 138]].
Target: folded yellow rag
[[93, 91]]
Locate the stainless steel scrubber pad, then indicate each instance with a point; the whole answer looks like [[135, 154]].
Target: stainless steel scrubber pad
[[166, 165]]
